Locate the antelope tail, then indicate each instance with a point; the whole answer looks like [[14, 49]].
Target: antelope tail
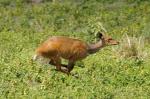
[[34, 58]]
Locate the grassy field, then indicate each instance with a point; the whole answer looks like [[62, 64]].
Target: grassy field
[[115, 72]]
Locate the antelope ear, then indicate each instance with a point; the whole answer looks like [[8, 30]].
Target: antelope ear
[[99, 34]]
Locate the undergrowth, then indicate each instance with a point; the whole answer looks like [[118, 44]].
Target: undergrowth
[[122, 73]]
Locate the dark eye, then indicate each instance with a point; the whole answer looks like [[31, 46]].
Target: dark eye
[[110, 39]]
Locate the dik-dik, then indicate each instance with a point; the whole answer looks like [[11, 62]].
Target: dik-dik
[[57, 47]]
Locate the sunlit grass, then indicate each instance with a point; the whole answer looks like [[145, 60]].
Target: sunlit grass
[[132, 47], [122, 73]]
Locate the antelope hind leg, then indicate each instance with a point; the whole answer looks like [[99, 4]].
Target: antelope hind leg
[[52, 62]]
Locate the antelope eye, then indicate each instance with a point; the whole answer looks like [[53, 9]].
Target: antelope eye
[[110, 39]]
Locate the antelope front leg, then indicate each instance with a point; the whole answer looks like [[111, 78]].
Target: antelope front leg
[[70, 66]]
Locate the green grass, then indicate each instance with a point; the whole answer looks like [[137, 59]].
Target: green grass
[[103, 75]]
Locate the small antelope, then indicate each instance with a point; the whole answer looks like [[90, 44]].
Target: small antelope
[[58, 47]]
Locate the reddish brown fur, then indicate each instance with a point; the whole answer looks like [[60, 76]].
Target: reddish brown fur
[[67, 48], [58, 47]]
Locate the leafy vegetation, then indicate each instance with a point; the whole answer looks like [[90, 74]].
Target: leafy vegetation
[[104, 75]]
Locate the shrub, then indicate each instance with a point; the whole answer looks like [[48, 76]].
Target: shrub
[[131, 47]]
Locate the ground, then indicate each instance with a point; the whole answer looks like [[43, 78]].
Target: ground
[[104, 75]]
